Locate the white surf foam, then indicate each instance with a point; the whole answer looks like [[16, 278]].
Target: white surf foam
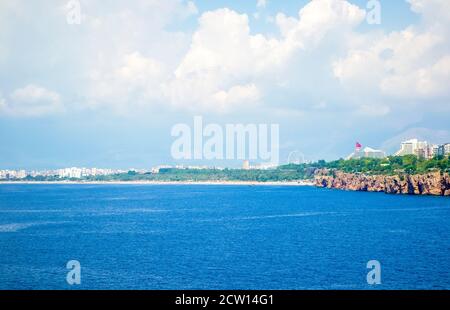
[[14, 227]]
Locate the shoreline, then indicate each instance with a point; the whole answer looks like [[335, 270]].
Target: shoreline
[[226, 183]]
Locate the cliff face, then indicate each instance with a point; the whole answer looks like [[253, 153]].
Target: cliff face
[[432, 183]]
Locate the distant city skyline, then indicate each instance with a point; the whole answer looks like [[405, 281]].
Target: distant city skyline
[[421, 149], [105, 90]]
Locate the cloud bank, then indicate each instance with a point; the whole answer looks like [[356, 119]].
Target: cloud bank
[[139, 54]]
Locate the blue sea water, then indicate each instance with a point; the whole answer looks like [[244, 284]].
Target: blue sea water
[[220, 237]]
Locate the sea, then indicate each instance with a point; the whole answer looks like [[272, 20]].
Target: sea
[[220, 237]]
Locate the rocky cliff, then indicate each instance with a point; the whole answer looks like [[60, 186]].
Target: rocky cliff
[[433, 183]]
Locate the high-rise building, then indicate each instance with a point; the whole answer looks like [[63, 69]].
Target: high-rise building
[[444, 149], [433, 150], [414, 147], [407, 148], [447, 149]]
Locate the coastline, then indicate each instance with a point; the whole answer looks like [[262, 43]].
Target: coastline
[[226, 183], [431, 183]]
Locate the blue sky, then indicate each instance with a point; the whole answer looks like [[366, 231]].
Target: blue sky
[[107, 91]]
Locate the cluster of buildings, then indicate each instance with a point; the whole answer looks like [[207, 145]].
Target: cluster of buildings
[[73, 172], [263, 166], [13, 174], [421, 149], [78, 173]]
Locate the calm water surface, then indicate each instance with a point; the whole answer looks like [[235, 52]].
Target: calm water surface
[[220, 237]]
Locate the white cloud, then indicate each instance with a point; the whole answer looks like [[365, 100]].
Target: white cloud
[[224, 54], [360, 69], [135, 79], [217, 68], [236, 94], [222, 60], [138, 68], [31, 101], [426, 82], [191, 8], [2, 103], [261, 4], [117, 56], [318, 18], [434, 12], [129, 53], [123, 55], [409, 64]]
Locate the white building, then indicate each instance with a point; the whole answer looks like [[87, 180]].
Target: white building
[[447, 149], [423, 149], [433, 150], [246, 165], [372, 153], [414, 147], [367, 152], [264, 166], [21, 174], [444, 149], [73, 172], [13, 174]]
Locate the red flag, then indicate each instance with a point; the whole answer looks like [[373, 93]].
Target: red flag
[[358, 146]]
